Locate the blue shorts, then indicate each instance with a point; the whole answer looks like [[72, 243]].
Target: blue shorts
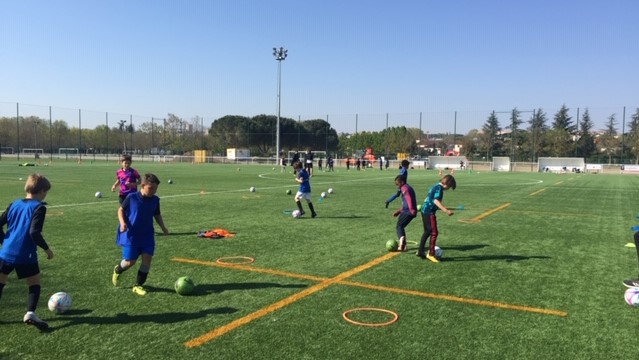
[[134, 252]]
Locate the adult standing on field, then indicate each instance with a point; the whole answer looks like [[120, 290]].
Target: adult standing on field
[[308, 162]]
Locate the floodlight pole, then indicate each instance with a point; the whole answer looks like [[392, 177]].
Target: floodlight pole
[[280, 54]]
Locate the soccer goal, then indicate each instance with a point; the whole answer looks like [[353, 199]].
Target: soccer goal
[[500, 163], [32, 151], [561, 165], [6, 150], [68, 151]]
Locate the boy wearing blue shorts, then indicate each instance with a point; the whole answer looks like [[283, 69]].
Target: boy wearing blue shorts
[[24, 219], [135, 233]]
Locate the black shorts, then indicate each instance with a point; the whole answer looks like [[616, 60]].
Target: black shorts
[[22, 270]]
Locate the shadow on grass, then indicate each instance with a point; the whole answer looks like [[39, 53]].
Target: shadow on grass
[[126, 318], [464, 247], [206, 289], [74, 317], [507, 258]]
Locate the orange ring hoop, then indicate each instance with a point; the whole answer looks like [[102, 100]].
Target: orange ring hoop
[[393, 320], [247, 259]]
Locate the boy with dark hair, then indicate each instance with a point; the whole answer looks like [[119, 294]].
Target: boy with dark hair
[[24, 219], [127, 177], [432, 203], [304, 191], [403, 171], [136, 234], [407, 212]]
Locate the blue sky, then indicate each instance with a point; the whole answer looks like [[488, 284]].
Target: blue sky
[[351, 62]]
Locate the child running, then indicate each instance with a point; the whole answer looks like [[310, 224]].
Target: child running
[[127, 177], [24, 219], [135, 234], [432, 203]]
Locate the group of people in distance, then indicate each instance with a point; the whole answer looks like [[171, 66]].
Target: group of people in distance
[[25, 217], [408, 211]]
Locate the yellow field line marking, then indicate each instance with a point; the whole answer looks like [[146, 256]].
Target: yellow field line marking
[[285, 302], [250, 268], [458, 299], [537, 192], [490, 212]]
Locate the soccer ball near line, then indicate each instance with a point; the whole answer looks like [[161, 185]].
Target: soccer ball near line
[[60, 302], [296, 214], [392, 245], [330, 190], [252, 189], [184, 286], [323, 194], [98, 194]]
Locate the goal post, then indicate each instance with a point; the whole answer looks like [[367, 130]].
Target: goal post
[[32, 151], [500, 163], [561, 164]]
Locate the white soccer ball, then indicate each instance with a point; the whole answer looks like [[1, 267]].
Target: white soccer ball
[[438, 252], [632, 296], [98, 194], [296, 214], [323, 194], [330, 190], [60, 302], [252, 189]]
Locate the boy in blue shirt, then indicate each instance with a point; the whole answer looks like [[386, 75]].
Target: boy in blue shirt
[[304, 191], [135, 234], [24, 219], [432, 203]]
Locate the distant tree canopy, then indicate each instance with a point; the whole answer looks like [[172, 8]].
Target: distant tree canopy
[[258, 134]]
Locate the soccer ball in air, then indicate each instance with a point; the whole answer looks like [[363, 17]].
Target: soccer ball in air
[[296, 214], [98, 195], [252, 189], [323, 194], [438, 252], [632, 296], [170, 181], [184, 285], [392, 245], [330, 190], [60, 302]]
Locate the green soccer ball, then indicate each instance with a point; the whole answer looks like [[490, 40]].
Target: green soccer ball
[[419, 207], [288, 192], [170, 181], [184, 286], [392, 245]]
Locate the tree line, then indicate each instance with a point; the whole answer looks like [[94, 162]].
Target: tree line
[[520, 139]]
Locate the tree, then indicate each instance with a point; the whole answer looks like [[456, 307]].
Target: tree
[[633, 135], [490, 132], [609, 140], [560, 136], [586, 141], [515, 138]]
